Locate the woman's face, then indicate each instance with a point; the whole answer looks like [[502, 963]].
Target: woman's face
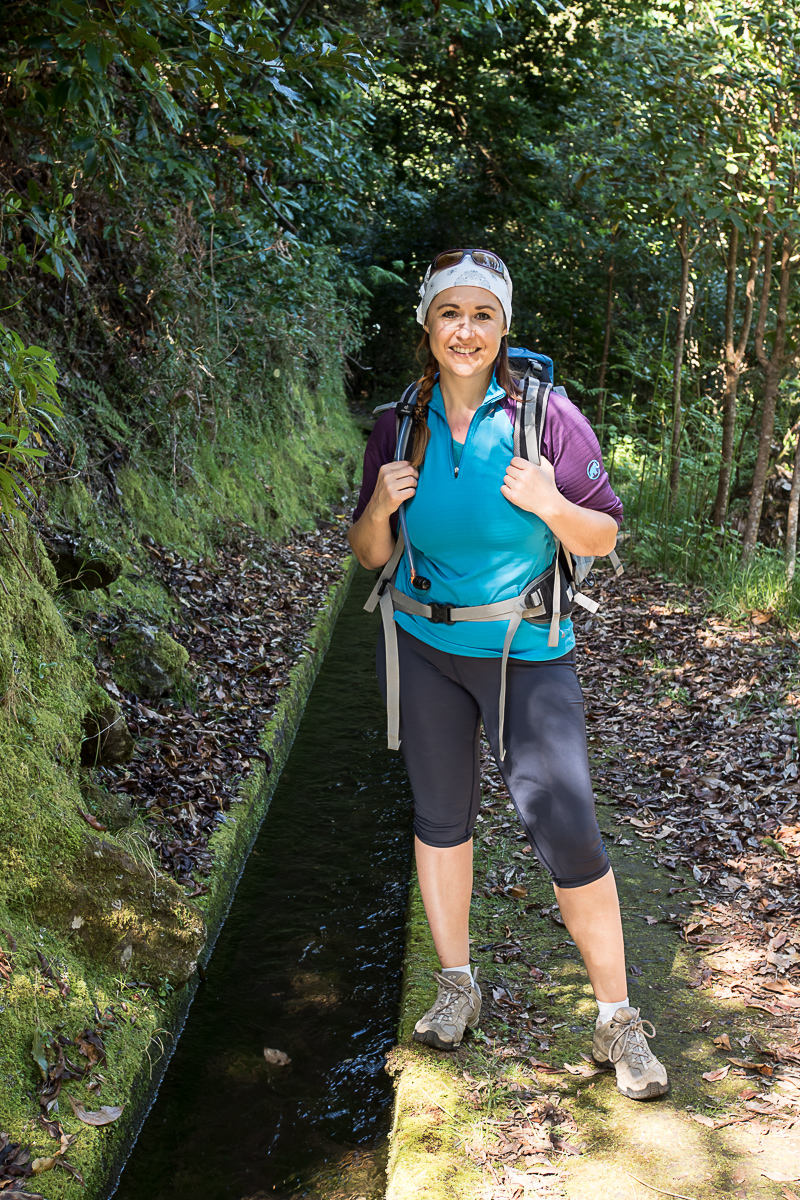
[[465, 326]]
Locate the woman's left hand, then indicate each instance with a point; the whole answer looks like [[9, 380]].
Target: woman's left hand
[[531, 487]]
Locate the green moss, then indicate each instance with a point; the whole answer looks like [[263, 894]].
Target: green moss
[[148, 661], [28, 1004], [262, 473], [78, 900]]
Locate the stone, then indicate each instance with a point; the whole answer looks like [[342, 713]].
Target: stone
[[148, 661], [83, 564], [107, 740], [112, 809], [120, 909]]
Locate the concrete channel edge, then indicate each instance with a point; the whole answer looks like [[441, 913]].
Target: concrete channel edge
[[231, 845]]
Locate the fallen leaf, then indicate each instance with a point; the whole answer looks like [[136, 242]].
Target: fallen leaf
[[779, 1177], [762, 1068], [581, 1069], [781, 985], [543, 1066], [93, 821], [38, 1054], [783, 961], [564, 1147], [52, 1127], [723, 1041], [104, 1116], [518, 892], [276, 1058], [39, 1165], [715, 1076], [773, 1009], [747, 1094]]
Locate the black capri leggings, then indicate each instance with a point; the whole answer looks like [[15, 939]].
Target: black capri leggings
[[444, 697]]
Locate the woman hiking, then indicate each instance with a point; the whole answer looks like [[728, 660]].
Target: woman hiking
[[483, 523]]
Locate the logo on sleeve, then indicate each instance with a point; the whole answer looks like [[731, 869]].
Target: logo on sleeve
[[593, 469]]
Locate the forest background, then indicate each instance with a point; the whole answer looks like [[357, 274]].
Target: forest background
[[208, 206]]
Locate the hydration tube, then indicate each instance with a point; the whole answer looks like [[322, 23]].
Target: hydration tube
[[417, 581]]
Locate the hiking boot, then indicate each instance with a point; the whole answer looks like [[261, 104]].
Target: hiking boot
[[457, 1007], [621, 1043]]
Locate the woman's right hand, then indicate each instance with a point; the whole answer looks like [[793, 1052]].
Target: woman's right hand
[[397, 481]]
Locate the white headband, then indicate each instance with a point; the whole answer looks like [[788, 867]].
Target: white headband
[[465, 274]]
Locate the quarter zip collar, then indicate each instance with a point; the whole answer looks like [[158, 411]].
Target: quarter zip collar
[[494, 393]]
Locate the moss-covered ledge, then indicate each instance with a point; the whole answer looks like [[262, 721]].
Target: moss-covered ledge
[[95, 942]]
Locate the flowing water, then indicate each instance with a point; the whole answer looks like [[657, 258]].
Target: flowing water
[[308, 963]]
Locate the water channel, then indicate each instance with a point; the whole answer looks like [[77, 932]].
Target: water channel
[[308, 963]]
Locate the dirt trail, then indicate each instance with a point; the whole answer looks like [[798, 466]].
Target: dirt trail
[[694, 745]]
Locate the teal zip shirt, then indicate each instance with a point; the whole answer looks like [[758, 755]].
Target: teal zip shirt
[[475, 546]]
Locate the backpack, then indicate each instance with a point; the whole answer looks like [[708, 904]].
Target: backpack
[[548, 598]]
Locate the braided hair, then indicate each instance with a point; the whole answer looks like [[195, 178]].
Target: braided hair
[[422, 434]]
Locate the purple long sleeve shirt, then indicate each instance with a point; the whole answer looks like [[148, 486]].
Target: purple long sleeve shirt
[[568, 442]]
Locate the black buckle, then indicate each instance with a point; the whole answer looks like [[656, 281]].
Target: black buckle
[[440, 614], [406, 405]]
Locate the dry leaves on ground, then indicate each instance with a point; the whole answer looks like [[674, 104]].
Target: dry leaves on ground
[[693, 730], [55, 1054], [245, 622]]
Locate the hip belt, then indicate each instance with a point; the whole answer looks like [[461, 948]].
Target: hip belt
[[542, 601]]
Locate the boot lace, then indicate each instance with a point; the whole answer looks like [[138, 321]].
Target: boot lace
[[449, 993], [630, 1041]]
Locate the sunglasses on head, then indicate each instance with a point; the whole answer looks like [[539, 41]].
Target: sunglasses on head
[[481, 258]]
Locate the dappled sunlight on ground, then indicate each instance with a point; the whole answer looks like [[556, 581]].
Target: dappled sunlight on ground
[[697, 792]]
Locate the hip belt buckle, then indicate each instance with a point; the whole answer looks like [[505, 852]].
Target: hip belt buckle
[[440, 614]]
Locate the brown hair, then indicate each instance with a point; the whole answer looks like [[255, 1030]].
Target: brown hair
[[502, 372]]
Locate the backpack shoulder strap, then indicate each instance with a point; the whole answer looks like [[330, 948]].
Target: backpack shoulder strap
[[530, 418], [402, 407]]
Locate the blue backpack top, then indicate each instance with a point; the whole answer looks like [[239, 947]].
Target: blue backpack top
[[527, 362]]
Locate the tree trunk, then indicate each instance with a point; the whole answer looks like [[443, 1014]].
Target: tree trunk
[[773, 368], [677, 368], [734, 357], [791, 520], [601, 381]]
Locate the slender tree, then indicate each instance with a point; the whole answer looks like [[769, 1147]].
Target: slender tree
[[734, 352], [794, 505], [773, 365], [601, 379]]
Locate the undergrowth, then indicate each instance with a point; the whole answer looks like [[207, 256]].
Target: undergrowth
[[683, 544]]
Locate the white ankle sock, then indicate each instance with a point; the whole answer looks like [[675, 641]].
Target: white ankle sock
[[608, 1008], [467, 970]]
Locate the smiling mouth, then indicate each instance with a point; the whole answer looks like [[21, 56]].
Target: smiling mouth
[[465, 351]]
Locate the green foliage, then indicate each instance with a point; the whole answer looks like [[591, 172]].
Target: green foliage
[[29, 403]]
